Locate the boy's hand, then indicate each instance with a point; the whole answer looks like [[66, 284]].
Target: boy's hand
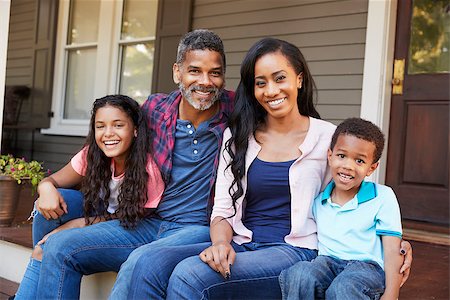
[[406, 250]]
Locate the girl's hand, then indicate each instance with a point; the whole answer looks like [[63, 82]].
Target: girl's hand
[[406, 250], [50, 202], [75, 223], [219, 256]]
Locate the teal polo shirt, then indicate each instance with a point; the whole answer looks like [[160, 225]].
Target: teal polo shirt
[[353, 231]]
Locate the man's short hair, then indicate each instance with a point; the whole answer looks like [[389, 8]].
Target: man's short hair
[[200, 39], [361, 129]]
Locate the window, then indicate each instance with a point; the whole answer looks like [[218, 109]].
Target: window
[[103, 47]]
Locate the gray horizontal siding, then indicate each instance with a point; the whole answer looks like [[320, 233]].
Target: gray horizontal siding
[[330, 34], [53, 151], [20, 43]]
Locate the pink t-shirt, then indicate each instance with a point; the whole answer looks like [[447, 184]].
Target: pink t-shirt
[[155, 185]]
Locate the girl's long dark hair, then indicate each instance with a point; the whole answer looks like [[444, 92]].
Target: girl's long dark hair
[[248, 114], [133, 190]]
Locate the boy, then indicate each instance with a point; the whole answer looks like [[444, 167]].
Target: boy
[[358, 223]]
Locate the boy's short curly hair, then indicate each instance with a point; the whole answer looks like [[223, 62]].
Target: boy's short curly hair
[[361, 129], [200, 39]]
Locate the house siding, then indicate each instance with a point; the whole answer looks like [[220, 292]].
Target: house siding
[[330, 34], [19, 62], [54, 151]]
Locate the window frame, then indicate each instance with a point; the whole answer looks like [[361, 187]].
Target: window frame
[[109, 45]]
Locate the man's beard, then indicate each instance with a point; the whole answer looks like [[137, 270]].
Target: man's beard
[[202, 105]]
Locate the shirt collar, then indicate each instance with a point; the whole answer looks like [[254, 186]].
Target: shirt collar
[[367, 191]]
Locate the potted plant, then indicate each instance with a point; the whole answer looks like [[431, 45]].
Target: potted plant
[[14, 172]]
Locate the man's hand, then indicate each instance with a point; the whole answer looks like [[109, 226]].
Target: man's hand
[[406, 250]]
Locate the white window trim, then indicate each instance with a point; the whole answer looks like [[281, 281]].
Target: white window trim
[[107, 40], [378, 62], [4, 31]]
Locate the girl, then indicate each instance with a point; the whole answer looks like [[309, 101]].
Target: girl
[[118, 178]]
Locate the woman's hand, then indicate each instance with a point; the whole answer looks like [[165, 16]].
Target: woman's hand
[[50, 203], [406, 250], [75, 223], [219, 256]]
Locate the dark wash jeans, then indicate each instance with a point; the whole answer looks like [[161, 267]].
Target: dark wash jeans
[[330, 278]]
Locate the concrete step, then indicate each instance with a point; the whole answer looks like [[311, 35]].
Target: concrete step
[[13, 262]]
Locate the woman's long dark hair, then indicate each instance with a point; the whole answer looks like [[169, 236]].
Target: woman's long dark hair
[[133, 190], [248, 114]]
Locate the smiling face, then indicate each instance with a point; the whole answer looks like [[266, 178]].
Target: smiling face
[[200, 78], [114, 132], [350, 161], [276, 85]]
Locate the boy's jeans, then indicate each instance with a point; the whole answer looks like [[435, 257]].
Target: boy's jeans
[[331, 278]]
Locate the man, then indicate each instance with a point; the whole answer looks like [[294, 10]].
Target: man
[[187, 127]]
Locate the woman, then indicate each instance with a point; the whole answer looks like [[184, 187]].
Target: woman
[[273, 164]]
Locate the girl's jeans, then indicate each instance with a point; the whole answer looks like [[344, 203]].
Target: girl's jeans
[[42, 226], [254, 274], [72, 253], [332, 278]]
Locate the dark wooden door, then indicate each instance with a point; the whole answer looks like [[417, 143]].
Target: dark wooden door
[[418, 152]]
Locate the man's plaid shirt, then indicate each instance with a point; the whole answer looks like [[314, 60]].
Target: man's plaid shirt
[[162, 112]]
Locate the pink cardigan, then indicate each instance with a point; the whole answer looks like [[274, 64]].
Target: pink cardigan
[[308, 175]]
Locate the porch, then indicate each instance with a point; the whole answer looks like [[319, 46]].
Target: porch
[[429, 278]]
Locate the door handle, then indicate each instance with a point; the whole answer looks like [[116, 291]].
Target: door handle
[[399, 76]]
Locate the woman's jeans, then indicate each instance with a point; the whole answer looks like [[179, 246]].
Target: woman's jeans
[[254, 274], [331, 278], [72, 253]]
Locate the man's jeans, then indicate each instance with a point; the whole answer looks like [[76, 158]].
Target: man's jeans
[[72, 253], [331, 278], [254, 274]]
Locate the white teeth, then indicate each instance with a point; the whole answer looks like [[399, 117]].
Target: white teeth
[[276, 102], [202, 93], [345, 177], [111, 142]]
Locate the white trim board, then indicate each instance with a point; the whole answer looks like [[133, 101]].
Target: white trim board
[[4, 31], [377, 74]]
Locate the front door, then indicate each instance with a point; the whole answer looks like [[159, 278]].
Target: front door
[[418, 153]]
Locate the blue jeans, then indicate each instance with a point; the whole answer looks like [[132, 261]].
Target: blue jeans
[[331, 278], [42, 226], [185, 243], [254, 274], [72, 253]]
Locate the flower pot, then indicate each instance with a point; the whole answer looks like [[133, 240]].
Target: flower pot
[[9, 199]]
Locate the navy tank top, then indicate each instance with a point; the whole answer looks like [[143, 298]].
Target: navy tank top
[[268, 201]]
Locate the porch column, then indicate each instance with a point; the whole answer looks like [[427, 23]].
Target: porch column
[[378, 62], [4, 29]]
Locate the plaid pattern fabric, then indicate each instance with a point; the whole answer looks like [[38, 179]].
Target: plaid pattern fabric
[[162, 112]]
